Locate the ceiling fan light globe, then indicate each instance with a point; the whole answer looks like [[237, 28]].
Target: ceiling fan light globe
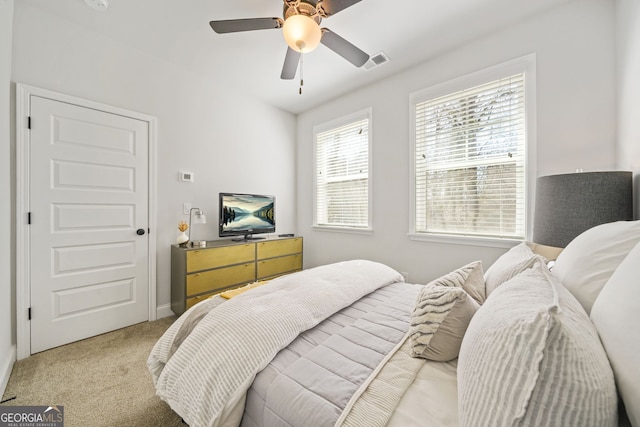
[[301, 33]]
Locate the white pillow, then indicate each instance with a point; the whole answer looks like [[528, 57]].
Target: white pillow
[[616, 314], [514, 261], [532, 357], [588, 261]]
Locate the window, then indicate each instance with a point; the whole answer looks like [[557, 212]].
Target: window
[[470, 159], [342, 190]]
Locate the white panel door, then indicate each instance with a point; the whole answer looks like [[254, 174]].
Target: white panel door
[[89, 206]]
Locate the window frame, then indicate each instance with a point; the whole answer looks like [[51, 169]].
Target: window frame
[[525, 65], [365, 114]]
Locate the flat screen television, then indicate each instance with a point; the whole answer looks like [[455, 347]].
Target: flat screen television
[[246, 214]]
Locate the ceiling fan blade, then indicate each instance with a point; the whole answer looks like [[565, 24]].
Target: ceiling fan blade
[[290, 64], [331, 7], [343, 48], [236, 25]]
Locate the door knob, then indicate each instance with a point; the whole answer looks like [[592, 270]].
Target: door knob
[[140, 231]]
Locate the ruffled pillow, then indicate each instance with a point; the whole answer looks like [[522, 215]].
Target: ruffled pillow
[[470, 278], [443, 311]]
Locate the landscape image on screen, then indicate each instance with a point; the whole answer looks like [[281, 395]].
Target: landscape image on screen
[[247, 213]]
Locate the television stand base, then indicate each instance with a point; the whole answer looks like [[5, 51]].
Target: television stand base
[[246, 238]]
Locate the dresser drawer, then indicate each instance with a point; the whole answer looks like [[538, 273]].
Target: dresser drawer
[[220, 278], [217, 257], [279, 247], [279, 266], [199, 273]]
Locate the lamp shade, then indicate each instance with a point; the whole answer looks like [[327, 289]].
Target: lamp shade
[[566, 205], [200, 218], [301, 33]]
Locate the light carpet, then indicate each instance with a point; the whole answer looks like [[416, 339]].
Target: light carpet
[[100, 381]]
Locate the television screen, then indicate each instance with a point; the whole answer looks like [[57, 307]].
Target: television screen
[[246, 214]]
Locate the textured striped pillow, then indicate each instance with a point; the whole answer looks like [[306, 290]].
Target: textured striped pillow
[[532, 357], [438, 322], [469, 277]]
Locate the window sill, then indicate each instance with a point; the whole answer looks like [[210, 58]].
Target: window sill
[[492, 242], [346, 230]]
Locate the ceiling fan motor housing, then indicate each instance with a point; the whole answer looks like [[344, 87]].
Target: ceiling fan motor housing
[[301, 7]]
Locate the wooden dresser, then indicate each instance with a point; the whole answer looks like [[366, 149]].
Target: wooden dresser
[[199, 272]]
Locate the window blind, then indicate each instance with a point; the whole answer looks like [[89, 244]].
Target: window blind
[[342, 175], [470, 161]]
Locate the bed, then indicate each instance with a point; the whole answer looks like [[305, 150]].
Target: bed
[[352, 344]]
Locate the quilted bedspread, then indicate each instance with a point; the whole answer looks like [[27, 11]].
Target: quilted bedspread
[[206, 377], [312, 380]]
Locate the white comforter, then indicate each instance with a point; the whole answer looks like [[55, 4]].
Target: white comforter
[[206, 379]]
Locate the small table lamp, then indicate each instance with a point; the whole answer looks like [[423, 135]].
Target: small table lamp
[[567, 205], [199, 219]]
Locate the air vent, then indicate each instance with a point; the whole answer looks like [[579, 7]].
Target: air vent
[[99, 5], [376, 60]]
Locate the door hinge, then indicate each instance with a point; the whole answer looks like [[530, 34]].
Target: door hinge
[[29, 313], [29, 122], [29, 218]]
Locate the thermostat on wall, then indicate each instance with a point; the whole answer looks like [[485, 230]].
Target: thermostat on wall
[[185, 176]]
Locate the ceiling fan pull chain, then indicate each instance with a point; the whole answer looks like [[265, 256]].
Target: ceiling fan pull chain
[[301, 69]]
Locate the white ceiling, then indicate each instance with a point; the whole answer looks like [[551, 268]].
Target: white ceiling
[[409, 32]]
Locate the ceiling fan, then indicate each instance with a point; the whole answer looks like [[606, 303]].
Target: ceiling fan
[[302, 32]]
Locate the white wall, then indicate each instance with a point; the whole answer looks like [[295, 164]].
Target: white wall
[[7, 350], [574, 46], [628, 72], [230, 142]]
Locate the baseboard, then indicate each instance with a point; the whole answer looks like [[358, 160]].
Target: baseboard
[[6, 365], [164, 311]]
